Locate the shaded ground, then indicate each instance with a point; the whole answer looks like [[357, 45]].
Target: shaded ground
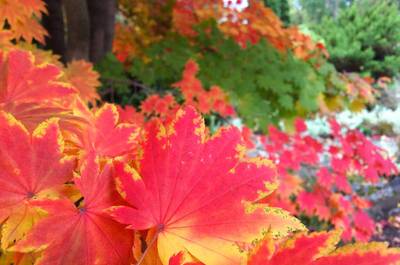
[[387, 212]]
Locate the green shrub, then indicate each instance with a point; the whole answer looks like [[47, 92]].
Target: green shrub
[[364, 38], [264, 84]]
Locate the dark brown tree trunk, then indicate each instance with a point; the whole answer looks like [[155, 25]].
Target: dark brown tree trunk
[[54, 24], [78, 29], [110, 26], [102, 19], [89, 29]]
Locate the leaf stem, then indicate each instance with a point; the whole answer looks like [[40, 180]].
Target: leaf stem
[[159, 229]]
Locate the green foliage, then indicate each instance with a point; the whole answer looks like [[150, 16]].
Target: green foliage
[[113, 74], [313, 11], [117, 85], [364, 38], [281, 8], [264, 84]]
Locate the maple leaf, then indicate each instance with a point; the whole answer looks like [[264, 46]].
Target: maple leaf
[[163, 107], [364, 226], [300, 125], [198, 192], [34, 31], [103, 134], [129, 114], [319, 249], [31, 92], [83, 77], [325, 177], [30, 164], [22, 17], [37, 7], [23, 81], [314, 203], [86, 235]]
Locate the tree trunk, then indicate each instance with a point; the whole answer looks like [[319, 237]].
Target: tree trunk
[[110, 26], [89, 30], [54, 24], [78, 32], [102, 18]]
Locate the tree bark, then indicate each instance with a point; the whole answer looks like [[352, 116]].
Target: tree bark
[[110, 26], [78, 32], [102, 18], [54, 24], [89, 29]]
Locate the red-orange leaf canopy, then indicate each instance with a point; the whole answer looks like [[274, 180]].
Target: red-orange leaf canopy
[[197, 192]]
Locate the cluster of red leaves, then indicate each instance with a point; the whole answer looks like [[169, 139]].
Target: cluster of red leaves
[[124, 42], [160, 106], [190, 87], [144, 22], [206, 101], [312, 249], [148, 22], [358, 86], [320, 249], [129, 114], [21, 18], [349, 155], [358, 91], [249, 25], [169, 189], [98, 185]]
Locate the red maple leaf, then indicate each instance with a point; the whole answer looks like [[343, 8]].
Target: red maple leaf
[[103, 134], [314, 203], [325, 178], [129, 114], [300, 125], [197, 192], [31, 93], [22, 81], [30, 165], [85, 234]]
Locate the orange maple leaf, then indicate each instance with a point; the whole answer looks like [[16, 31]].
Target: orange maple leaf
[[30, 165], [198, 192], [85, 234], [22, 16], [83, 77]]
